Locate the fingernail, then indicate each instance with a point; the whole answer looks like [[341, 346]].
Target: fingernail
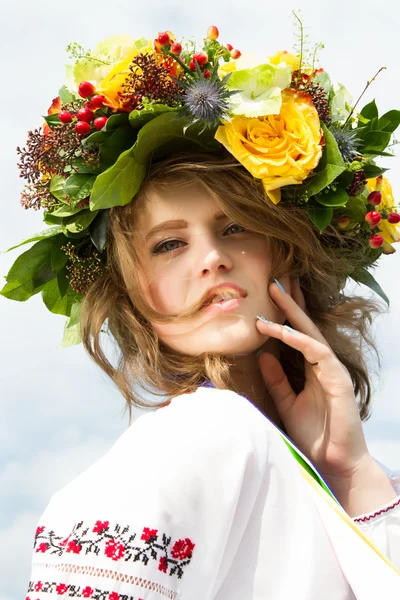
[[290, 329], [280, 286], [264, 319]]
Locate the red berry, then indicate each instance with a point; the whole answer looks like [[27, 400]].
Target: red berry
[[65, 116], [373, 217], [97, 101], [84, 114], [394, 217], [343, 222], [229, 46], [201, 58], [85, 89], [207, 74], [88, 105], [212, 32], [192, 65], [163, 38], [375, 198], [82, 127], [235, 53], [176, 48], [376, 241], [100, 122]]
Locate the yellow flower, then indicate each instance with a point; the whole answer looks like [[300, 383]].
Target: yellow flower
[[292, 60], [278, 149], [112, 83], [389, 231], [247, 60]]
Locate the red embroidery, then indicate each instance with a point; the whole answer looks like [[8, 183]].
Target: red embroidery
[[61, 589], [117, 543], [75, 591], [114, 550], [100, 526], [38, 586], [74, 547], [379, 512]]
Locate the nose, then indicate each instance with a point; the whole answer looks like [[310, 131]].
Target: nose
[[213, 256]]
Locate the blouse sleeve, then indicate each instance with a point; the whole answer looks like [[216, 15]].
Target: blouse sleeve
[[383, 525], [157, 530]]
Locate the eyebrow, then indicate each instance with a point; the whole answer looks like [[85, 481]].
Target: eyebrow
[[178, 224]]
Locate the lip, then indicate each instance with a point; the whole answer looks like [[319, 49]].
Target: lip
[[221, 307], [226, 284]]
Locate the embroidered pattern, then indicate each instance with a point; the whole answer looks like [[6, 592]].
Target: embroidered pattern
[[75, 591], [379, 512], [88, 591], [117, 544]]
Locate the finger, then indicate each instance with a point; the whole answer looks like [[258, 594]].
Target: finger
[[325, 363], [295, 314], [277, 383]]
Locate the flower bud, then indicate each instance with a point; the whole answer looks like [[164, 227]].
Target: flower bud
[[212, 32], [376, 241], [393, 217], [373, 217], [201, 58], [163, 38], [176, 48], [374, 198]]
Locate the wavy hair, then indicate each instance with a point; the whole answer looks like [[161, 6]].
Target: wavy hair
[[322, 262]]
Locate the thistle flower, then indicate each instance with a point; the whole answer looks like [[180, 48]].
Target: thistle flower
[[206, 99], [347, 142]]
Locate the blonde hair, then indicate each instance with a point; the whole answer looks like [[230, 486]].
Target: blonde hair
[[295, 246]]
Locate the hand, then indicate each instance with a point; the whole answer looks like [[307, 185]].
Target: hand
[[322, 420]]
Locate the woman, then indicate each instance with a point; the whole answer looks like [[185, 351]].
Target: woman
[[253, 480]]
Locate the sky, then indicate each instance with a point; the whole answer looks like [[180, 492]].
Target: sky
[[59, 412]]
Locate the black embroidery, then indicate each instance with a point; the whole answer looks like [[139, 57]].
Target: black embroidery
[[117, 543]]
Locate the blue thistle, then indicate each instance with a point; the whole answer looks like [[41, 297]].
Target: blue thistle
[[347, 142], [206, 100]]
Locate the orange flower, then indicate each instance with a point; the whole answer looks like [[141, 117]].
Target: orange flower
[[55, 107]]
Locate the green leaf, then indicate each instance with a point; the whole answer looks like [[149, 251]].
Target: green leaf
[[373, 171], [66, 211], [52, 120], [57, 185], [373, 152], [50, 219], [329, 167], [63, 283], [116, 120], [376, 140], [31, 271], [389, 121], [79, 185], [47, 233], [56, 302], [58, 258], [361, 275], [78, 223], [72, 335], [370, 111], [138, 118], [65, 95], [98, 230], [355, 209], [321, 216], [332, 198], [120, 183]]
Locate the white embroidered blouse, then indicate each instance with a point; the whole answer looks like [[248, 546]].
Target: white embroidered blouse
[[202, 500]]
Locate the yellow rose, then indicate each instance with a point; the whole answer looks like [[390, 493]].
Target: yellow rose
[[292, 60], [278, 149], [389, 231], [112, 83]]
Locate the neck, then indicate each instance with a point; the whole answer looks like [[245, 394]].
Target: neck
[[249, 381]]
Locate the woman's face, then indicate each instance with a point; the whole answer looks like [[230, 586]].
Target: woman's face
[[181, 264]]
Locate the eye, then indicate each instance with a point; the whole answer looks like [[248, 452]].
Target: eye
[[160, 248]]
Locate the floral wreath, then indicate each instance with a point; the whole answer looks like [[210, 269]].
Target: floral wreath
[[128, 101]]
